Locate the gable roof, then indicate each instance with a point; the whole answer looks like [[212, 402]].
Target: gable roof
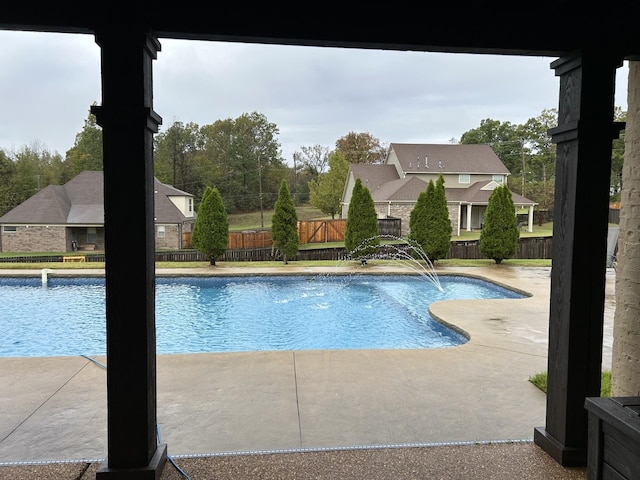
[[165, 210], [447, 158], [80, 201]]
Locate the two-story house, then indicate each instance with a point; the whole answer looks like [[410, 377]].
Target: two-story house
[[63, 218], [470, 173]]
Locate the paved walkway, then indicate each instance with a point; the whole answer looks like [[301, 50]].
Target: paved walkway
[[54, 409]]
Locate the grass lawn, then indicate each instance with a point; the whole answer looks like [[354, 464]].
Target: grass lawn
[[540, 381]]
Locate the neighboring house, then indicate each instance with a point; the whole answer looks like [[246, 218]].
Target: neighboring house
[[63, 218], [470, 173]]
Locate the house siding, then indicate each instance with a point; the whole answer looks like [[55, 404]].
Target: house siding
[[451, 180], [184, 204], [392, 159]]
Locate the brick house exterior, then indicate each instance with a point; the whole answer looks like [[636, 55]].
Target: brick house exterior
[[470, 172], [69, 217]]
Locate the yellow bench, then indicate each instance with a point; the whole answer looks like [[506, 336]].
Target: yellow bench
[[78, 258]]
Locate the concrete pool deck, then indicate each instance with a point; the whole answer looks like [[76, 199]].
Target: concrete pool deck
[[54, 409]]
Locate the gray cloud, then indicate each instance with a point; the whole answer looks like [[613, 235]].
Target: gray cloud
[[314, 95]]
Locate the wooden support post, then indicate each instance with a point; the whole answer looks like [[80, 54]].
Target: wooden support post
[[128, 122], [583, 164]]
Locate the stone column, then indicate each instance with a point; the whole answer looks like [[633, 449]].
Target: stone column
[[129, 122], [583, 163], [625, 379]]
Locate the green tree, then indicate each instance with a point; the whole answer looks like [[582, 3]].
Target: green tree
[[503, 137], [34, 169], [361, 148], [440, 229], [499, 235], [429, 222], [284, 224], [211, 230], [361, 234], [176, 157], [86, 153], [8, 195], [326, 192], [244, 158]]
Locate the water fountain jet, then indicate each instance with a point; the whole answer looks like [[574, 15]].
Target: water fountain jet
[[411, 255]]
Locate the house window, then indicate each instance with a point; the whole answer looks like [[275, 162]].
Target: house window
[[465, 178], [161, 232], [190, 205], [498, 179], [92, 236], [9, 229]]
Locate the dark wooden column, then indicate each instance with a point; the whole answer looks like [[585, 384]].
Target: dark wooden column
[[583, 164], [128, 123]]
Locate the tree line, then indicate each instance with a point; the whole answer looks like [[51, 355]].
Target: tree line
[[242, 158]]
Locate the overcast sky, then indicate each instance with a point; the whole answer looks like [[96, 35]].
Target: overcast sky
[[314, 95]]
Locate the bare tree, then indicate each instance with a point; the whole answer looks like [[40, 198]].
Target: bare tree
[[314, 160]]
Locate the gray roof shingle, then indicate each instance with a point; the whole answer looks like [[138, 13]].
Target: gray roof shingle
[[80, 202], [448, 158]]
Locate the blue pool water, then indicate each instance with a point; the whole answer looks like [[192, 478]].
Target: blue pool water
[[231, 314]]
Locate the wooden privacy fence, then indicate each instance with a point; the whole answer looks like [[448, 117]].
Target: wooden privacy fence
[[324, 231], [309, 231], [250, 239], [321, 231]]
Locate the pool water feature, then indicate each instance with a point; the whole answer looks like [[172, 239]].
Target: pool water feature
[[66, 316]]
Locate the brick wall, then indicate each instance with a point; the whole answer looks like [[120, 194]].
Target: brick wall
[[403, 211], [35, 239], [171, 240]]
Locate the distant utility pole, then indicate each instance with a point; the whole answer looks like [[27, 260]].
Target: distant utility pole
[[260, 186], [523, 165]]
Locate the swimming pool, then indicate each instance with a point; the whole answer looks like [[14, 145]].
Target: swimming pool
[[231, 314]]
